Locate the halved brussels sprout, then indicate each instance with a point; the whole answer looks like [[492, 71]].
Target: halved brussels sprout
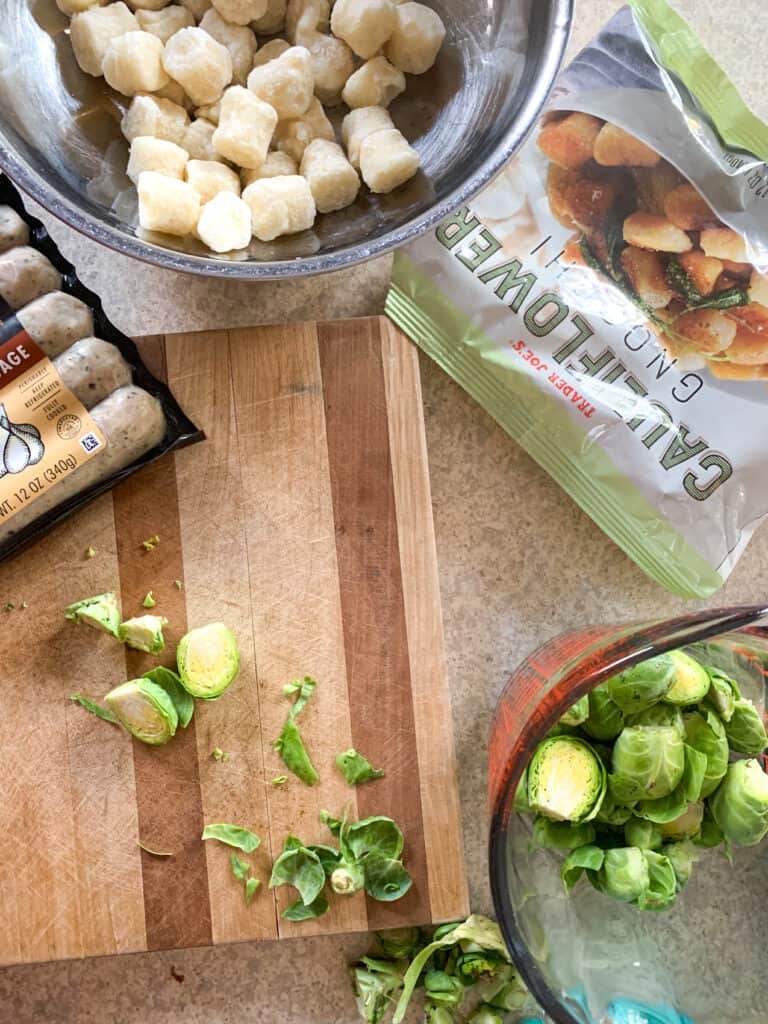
[[706, 733], [606, 719], [650, 759], [145, 710], [681, 857], [642, 685], [645, 835], [624, 874], [101, 612], [576, 713], [144, 633], [687, 825], [691, 680], [208, 660], [740, 804], [566, 780], [746, 730]]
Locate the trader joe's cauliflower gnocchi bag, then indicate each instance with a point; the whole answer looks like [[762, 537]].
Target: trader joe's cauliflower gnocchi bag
[[606, 298]]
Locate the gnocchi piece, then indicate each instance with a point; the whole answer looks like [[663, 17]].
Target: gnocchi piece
[[151, 154], [148, 5], [647, 231], [238, 39], [723, 243], [748, 348], [209, 177], [91, 32], [245, 129], [76, 6], [240, 12], [569, 142], [577, 201], [653, 185], [173, 92], [364, 25], [225, 223], [13, 230], [360, 123], [198, 140], [758, 287], [614, 147], [332, 179], [26, 274], [332, 64], [736, 269], [134, 63], [375, 84], [646, 274], [166, 22], [304, 18], [703, 271], [269, 51], [387, 160], [417, 35], [286, 82], [293, 136], [210, 112], [708, 330], [277, 164], [148, 115], [272, 20], [197, 7], [280, 206], [731, 371], [687, 209], [167, 204], [201, 66]]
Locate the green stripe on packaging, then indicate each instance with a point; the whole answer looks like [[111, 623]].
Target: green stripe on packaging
[[544, 429], [678, 50]]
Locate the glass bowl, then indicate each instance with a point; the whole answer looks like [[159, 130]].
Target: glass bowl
[[703, 961], [60, 136]]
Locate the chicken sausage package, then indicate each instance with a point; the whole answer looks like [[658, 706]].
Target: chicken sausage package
[[79, 410], [606, 298]]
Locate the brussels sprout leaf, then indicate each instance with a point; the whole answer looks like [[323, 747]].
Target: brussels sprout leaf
[[385, 877], [251, 885], [95, 709], [302, 869], [300, 911], [290, 747], [170, 682], [240, 868], [357, 769], [232, 835], [583, 858]]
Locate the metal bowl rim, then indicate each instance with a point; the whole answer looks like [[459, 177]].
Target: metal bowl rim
[[558, 28]]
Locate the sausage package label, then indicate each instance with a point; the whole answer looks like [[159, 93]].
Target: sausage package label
[[45, 433], [606, 298]]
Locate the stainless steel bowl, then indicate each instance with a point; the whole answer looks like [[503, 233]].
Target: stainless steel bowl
[[60, 136]]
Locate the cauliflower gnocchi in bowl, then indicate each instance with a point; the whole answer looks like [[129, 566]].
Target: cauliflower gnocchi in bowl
[[638, 222], [201, 90]]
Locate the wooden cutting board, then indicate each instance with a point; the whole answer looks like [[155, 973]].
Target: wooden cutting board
[[304, 522]]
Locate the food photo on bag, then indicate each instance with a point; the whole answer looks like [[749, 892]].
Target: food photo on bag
[[266, 572]]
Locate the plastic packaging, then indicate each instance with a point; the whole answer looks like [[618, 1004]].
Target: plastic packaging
[[606, 298], [79, 410]]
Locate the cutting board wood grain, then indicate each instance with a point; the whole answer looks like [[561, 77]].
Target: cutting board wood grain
[[304, 522]]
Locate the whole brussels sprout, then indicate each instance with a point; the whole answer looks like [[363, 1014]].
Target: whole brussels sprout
[[645, 835], [740, 803], [722, 694], [691, 680], [746, 730], [606, 719], [649, 758], [624, 874], [643, 685], [613, 811], [659, 714], [680, 856], [687, 825], [706, 733], [566, 780], [561, 835], [662, 882], [577, 713]]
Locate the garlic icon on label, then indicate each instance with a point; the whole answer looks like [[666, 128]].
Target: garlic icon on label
[[20, 445]]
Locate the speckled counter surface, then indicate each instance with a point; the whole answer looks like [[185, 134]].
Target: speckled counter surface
[[519, 562]]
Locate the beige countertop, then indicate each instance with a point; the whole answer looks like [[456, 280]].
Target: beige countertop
[[519, 562]]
